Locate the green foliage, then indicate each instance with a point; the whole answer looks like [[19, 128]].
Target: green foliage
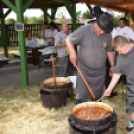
[[41, 19], [29, 20], [49, 20], [86, 15], [33, 20], [10, 21], [26, 19], [116, 21], [78, 14], [128, 20]]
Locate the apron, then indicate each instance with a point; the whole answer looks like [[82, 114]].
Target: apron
[[95, 79]]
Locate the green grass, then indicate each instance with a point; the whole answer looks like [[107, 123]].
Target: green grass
[[21, 112]]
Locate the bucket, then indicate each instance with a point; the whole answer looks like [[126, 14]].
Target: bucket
[[55, 96]]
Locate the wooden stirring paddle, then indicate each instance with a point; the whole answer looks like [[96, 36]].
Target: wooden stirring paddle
[[84, 80], [53, 67]]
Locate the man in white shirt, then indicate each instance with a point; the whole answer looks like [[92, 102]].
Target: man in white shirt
[[125, 30], [62, 53]]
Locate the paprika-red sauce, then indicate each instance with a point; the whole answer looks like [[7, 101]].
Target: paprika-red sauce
[[92, 113]]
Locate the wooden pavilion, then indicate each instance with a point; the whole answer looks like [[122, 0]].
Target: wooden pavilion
[[20, 6]]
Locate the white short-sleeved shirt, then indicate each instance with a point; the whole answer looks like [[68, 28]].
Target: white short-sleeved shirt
[[114, 33], [48, 33], [126, 32], [54, 32], [31, 42]]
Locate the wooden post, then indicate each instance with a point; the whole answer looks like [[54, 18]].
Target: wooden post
[[72, 11], [19, 8], [22, 45], [74, 17], [53, 12], [3, 39]]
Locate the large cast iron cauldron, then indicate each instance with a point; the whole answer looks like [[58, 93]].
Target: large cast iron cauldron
[[55, 96], [104, 125]]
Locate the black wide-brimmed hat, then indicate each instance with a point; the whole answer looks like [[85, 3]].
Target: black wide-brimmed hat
[[96, 10], [105, 22]]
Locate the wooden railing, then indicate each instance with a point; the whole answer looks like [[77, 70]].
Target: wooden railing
[[36, 30]]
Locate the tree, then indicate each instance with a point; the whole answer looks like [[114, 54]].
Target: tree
[[49, 20], [10, 21], [33, 20], [128, 20], [86, 15], [26, 19], [78, 14], [116, 21], [41, 19]]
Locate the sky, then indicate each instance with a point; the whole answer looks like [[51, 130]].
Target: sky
[[38, 12]]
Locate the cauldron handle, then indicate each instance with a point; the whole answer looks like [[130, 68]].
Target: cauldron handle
[[70, 119], [106, 114]]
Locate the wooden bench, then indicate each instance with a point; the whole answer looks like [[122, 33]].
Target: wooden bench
[[17, 55], [3, 61]]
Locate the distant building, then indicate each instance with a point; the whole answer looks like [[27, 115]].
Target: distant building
[[85, 21]]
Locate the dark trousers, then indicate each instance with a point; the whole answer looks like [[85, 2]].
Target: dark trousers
[[70, 69]]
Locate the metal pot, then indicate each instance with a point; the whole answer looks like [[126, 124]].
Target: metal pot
[[92, 104], [90, 123], [103, 124]]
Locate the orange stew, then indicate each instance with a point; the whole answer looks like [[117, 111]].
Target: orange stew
[[91, 113]]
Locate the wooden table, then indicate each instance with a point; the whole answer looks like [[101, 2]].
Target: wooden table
[[35, 53]]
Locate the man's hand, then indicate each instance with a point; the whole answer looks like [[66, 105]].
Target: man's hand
[[73, 59], [114, 80], [108, 92], [111, 71]]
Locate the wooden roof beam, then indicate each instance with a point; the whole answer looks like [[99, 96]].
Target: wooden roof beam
[[89, 7], [132, 15], [127, 13], [106, 3], [122, 10], [127, 6]]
